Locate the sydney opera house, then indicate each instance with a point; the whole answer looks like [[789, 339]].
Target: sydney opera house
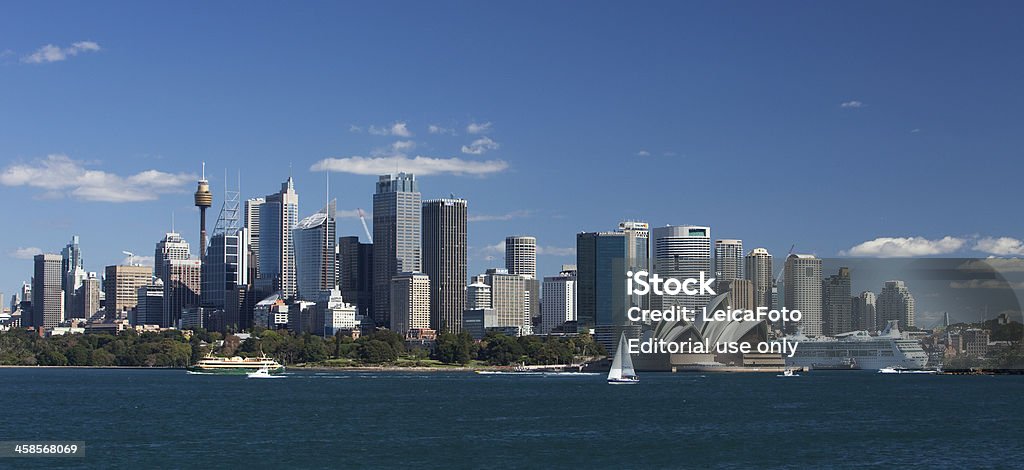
[[712, 332]]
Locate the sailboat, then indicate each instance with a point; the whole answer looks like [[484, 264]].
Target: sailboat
[[622, 366]]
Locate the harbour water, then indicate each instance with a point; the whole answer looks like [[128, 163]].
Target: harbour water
[[168, 418]]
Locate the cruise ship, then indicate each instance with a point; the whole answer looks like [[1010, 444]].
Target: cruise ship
[[235, 365], [858, 350]]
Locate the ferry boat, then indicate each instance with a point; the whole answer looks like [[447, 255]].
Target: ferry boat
[[235, 365], [887, 349]]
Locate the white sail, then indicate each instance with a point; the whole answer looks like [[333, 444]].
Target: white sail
[[615, 373], [627, 360], [622, 364]]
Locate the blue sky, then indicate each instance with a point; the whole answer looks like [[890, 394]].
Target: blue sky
[[824, 125]]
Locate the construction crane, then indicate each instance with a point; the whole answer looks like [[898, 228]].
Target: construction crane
[[362, 218], [131, 257]]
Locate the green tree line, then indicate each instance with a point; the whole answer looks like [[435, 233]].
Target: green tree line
[[172, 349]]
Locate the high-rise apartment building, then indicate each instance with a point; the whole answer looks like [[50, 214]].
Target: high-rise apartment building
[[758, 270], [896, 303], [863, 311], [397, 213], [803, 292], [278, 216], [444, 261], [836, 304], [729, 262]]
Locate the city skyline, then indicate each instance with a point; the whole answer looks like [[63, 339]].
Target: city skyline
[[80, 142]]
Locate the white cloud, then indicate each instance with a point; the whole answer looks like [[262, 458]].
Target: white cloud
[[58, 175], [478, 128], [399, 129], [402, 146], [895, 247], [643, 153], [436, 129], [355, 129], [851, 104], [555, 251], [506, 216], [480, 146], [25, 253], [51, 53], [915, 130], [418, 165], [1002, 246], [495, 248]]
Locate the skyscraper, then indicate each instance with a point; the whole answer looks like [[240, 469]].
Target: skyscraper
[[729, 263], [601, 272], [508, 299], [73, 277], [759, 272], [836, 304], [410, 302], [355, 274], [121, 286], [278, 215], [444, 261], [252, 226], [558, 305], [397, 213], [226, 263], [182, 287], [521, 256], [315, 254], [682, 252], [803, 292], [150, 307], [896, 303], [47, 296], [478, 295], [863, 311], [170, 248], [89, 297]]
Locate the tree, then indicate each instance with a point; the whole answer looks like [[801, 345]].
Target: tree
[[454, 349], [376, 351], [501, 349], [102, 358]]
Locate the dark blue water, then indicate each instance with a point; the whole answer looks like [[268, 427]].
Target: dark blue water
[[167, 418]]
